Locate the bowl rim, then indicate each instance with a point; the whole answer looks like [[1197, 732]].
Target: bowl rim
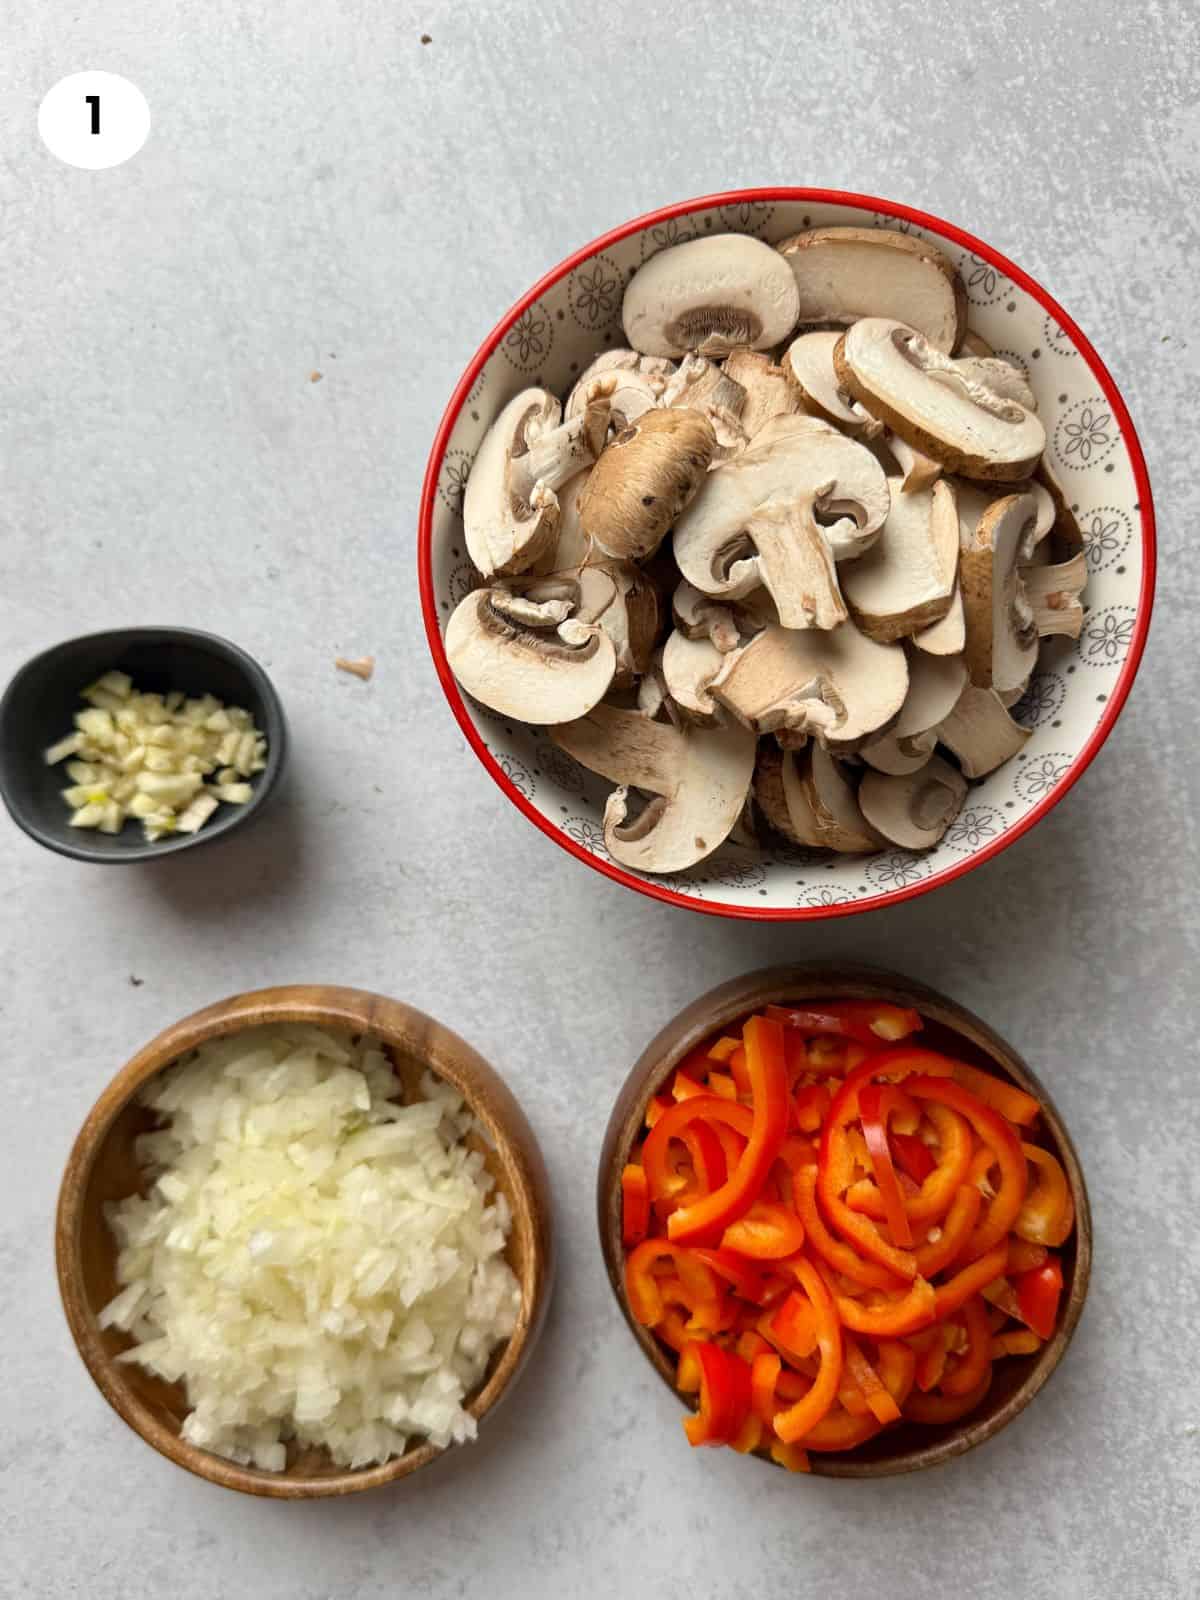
[[813, 196], [215, 644], [358, 1010], [718, 1006]]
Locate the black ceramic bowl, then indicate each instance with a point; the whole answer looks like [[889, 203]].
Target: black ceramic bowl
[[40, 703]]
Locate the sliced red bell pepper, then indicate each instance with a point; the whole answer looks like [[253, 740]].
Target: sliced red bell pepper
[[872, 1115], [750, 1343], [932, 1357], [708, 1157], [867, 1021], [764, 1375], [891, 1319], [882, 1405], [1005, 1098], [792, 1327], [658, 1104], [822, 1243], [767, 1067], [914, 1156], [656, 1152], [739, 1071], [935, 1255], [809, 1105], [744, 1278], [1048, 1213], [996, 1133], [975, 1364], [685, 1087], [936, 1194], [721, 1049], [721, 1083], [1015, 1342], [1023, 1256], [944, 1407], [838, 1430], [791, 1425], [1038, 1294], [643, 1289], [635, 1205], [955, 1293], [767, 1232], [792, 1457], [897, 1368], [724, 1397]]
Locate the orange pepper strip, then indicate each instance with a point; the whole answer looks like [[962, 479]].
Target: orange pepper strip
[[1018, 1342], [732, 1142], [851, 1398], [746, 1279], [793, 1424], [1024, 1257], [767, 1067], [658, 1104], [832, 1251], [792, 1327], [705, 1317], [671, 1124], [764, 1375], [935, 1255], [873, 1115], [708, 1158], [942, 1407], [724, 1397], [750, 1343], [931, 1362], [685, 1087], [767, 1232], [1005, 1098], [721, 1083], [935, 1196], [790, 1456], [838, 1430], [750, 1437], [721, 1049], [883, 1406], [992, 1129], [809, 1106], [955, 1293], [909, 1313], [643, 1289], [1048, 1214], [976, 1363], [897, 1368], [635, 1205], [739, 1071]]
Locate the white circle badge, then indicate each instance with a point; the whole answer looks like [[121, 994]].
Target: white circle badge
[[94, 119]]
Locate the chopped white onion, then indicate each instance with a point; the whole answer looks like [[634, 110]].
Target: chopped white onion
[[314, 1260]]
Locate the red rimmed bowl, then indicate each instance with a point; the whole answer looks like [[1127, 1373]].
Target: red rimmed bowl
[[574, 312]]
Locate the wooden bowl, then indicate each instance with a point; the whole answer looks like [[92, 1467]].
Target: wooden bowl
[[910, 1446], [102, 1168]]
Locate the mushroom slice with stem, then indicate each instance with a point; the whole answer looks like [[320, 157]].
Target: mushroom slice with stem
[[768, 392], [914, 811], [698, 779], [920, 471], [935, 685], [710, 295], [837, 685], [927, 398], [949, 636], [1053, 593], [699, 382], [822, 798], [798, 499], [643, 480], [510, 510], [623, 601], [980, 732], [541, 674], [688, 669], [808, 364], [628, 392], [1002, 636], [906, 580], [843, 274], [699, 617]]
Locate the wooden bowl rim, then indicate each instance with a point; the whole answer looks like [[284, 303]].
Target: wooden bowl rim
[[829, 980], [393, 1022]]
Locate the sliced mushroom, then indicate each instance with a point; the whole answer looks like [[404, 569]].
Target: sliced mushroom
[[699, 617], [975, 498], [710, 295], [628, 392], [920, 471], [949, 636], [625, 603], [940, 408], [837, 684], [808, 365], [980, 732], [822, 798], [1002, 637], [688, 669], [644, 479], [974, 344], [906, 580], [510, 510], [699, 382], [935, 685], [843, 274], [699, 779], [768, 393], [780, 514], [570, 547], [914, 811], [1067, 532], [543, 674], [1053, 593]]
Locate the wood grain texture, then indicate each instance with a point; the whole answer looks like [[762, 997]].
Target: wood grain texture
[[102, 1168], [909, 1447]]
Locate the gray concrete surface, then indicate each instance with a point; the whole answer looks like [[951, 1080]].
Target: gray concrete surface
[[322, 192]]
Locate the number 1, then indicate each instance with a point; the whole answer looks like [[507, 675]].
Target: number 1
[[93, 100]]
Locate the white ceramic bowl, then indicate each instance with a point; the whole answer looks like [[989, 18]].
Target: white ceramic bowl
[[555, 329]]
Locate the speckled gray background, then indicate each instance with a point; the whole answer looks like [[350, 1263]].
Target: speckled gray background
[[320, 192]]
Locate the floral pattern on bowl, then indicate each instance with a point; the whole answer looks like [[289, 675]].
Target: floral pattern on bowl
[[1073, 700]]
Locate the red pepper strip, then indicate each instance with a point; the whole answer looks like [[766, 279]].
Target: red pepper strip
[[908, 1313], [768, 1076], [708, 1158], [999, 1137], [767, 1232], [883, 1406], [1023, 1256], [838, 1430], [874, 1127], [1001, 1294], [850, 1397], [705, 1317], [1018, 1342], [685, 1087], [868, 1021], [1005, 1098], [721, 1083], [687, 1371], [954, 1294], [931, 1361], [897, 1368], [643, 1289], [764, 1375], [750, 1343], [944, 1407], [809, 1107], [802, 1418], [790, 1456], [657, 1106], [914, 1156], [672, 1329], [739, 1071], [976, 1363], [1038, 1294], [732, 1142], [750, 1436], [937, 1192], [832, 1251], [721, 1049], [671, 1124], [792, 1328], [746, 1280], [1048, 1214], [935, 1255], [724, 1397], [635, 1205]]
